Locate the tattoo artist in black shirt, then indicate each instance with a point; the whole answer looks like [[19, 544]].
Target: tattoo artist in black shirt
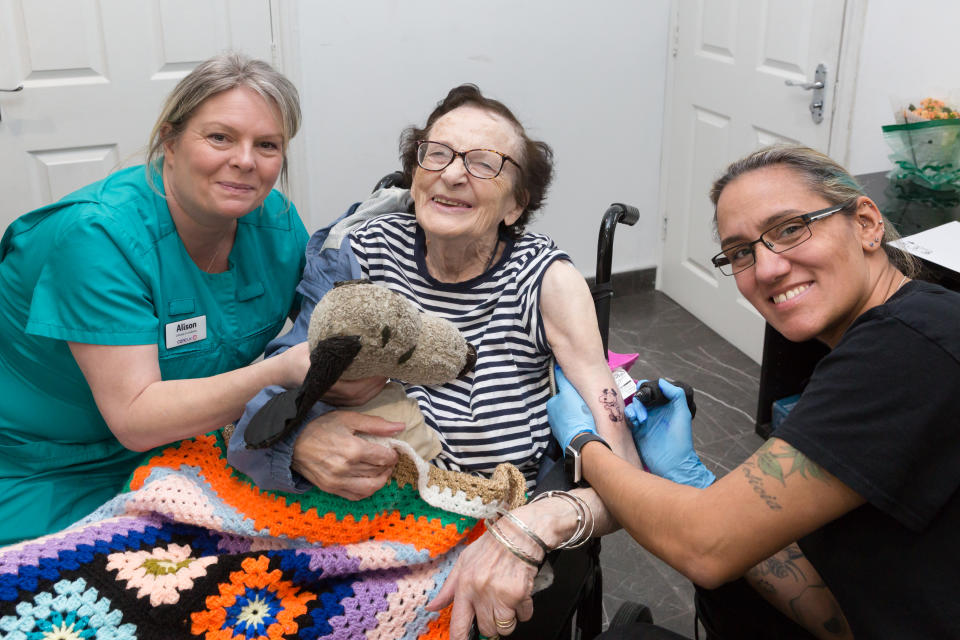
[[856, 492]]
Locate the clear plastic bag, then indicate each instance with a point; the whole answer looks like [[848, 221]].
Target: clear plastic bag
[[926, 153]]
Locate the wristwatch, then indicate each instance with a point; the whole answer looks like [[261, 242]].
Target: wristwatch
[[572, 464]]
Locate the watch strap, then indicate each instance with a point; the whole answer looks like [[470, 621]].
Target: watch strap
[[578, 441], [572, 463]]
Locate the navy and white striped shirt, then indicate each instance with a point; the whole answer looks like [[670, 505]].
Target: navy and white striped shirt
[[498, 412]]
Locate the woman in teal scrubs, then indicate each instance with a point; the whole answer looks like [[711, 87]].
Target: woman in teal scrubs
[[131, 310]]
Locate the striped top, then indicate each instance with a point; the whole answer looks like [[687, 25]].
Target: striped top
[[498, 412]]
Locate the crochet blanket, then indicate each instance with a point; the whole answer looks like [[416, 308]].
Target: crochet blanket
[[193, 548]]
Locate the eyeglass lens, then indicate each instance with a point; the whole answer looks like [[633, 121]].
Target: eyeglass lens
[[778, 239], [481, 163]]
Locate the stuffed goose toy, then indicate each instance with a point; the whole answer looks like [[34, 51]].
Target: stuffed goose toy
[[357, 330]]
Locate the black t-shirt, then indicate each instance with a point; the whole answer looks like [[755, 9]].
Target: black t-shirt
[[882, 414]]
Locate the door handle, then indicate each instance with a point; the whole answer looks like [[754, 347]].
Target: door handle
[[804, 85], [817, 86]]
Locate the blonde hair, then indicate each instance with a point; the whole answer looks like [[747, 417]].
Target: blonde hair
[[216, 75], [824, 177]]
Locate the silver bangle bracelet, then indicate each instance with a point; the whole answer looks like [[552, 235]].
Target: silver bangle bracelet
[[573, 544], [510, 546], [593, 522], [523, 527], [588, 513], [580, 535]]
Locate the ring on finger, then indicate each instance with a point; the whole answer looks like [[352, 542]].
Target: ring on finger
[[504, 624]]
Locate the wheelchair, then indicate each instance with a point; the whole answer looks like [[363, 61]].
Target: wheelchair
[[572, 607]]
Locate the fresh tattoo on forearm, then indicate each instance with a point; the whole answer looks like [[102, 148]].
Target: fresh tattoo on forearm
[[610, 400], [768, 461]]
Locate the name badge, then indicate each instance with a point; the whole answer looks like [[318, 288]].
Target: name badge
[[186, 331]]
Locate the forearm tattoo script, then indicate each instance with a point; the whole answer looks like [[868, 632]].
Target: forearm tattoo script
[[768, 463]]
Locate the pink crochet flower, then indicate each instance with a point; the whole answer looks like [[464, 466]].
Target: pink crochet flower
[[160, 573]]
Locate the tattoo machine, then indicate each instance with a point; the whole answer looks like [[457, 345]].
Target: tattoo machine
[[648, 392]]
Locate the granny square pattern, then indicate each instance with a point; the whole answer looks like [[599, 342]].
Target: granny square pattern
[[193, 549]]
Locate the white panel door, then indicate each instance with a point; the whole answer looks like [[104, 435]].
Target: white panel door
[[726, 97], [94, 74]]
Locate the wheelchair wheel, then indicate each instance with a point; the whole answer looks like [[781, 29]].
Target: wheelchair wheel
[[629, 614]]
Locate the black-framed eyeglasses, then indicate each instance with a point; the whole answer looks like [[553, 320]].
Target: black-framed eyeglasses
[[781, 237], [480, 163]]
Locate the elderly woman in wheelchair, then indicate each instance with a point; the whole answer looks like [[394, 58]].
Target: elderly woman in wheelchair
[[455, 245]]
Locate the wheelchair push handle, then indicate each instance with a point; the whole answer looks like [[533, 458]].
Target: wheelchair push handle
[[650, 395], [615, 214], [624, 213]]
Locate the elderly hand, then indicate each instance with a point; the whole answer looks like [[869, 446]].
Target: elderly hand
[[329, 454], [567, 412], [664, 439], [490, 584]]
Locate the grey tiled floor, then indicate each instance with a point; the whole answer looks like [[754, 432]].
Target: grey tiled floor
[[674, 344]]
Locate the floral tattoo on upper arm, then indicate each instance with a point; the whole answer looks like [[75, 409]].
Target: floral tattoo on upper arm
[[768, 462]]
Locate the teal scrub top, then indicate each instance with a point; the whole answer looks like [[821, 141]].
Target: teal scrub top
[[105, 265]]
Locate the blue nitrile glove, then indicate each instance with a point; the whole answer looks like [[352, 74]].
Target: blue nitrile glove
[[568, 413], [665, 439], [636, 413]]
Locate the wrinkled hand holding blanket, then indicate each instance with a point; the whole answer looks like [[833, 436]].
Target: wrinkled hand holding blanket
[[193, 549]]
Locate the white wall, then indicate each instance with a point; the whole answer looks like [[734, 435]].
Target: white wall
[[586, 77], [908, 51]]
